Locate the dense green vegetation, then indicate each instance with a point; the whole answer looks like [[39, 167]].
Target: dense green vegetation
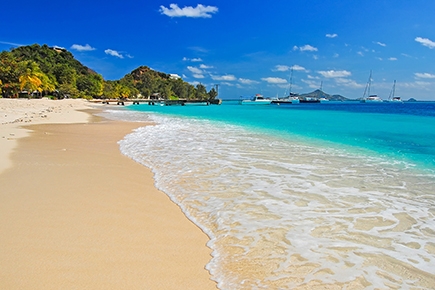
[[47, 71]]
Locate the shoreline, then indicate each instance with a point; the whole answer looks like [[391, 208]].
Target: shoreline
[[76, 213]]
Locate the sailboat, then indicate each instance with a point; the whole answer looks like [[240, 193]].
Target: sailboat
[[392, 98], [367, 98], [291, 98], [323, 99]]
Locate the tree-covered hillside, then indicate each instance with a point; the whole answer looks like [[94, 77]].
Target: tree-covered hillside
[[44, 70]]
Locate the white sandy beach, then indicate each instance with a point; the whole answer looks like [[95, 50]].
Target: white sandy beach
[[77, 214]]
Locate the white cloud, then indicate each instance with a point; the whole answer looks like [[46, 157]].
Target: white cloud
[[203, 66], [306, 47], [312, 84], [200, 11], [281, 67], [348, 83], [12, 43], [79, 47], [287, 68], [247, 81], [194, 70], [113, 53], [272, 80], [192, 59], [426, 42], [381, 44], [198, 76], [335, 73], [425, 75], [298, 68], [224, 78], [334, 35], [392, 58]]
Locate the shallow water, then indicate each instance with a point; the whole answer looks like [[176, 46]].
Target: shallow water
[[291, 205]]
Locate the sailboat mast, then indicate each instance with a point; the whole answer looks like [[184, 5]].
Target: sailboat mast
[[367, 89]]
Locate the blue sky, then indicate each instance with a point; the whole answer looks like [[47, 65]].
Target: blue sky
[[245, 47]]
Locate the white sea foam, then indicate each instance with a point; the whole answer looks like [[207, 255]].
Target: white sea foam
[[283, 214]]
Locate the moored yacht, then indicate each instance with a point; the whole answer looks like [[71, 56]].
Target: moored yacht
[[256, 100], [370, 98], [392, 98]]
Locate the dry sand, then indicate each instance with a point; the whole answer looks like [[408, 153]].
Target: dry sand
[[77, 214]]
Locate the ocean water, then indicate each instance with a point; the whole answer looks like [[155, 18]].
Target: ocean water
[[308, 196]]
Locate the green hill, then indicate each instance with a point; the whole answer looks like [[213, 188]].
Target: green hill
[[43, 70]]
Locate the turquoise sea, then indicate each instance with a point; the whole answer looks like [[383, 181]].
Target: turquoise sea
[[338, 195]]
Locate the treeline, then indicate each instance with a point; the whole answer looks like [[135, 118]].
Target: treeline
[[46, 71]]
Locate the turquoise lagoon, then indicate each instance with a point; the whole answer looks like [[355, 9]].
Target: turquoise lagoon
[[336, 195]]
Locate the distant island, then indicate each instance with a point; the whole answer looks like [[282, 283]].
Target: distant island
[[38, 71], [320, 94]]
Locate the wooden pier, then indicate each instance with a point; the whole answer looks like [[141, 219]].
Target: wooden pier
[[150, 102]]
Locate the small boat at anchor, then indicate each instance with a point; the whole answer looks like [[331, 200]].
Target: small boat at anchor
[[393, 98], [256, 100], [370, 98]]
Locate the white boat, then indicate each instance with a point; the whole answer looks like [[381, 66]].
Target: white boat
[[291, 98], [256, 100], [367, 98], [373, 99], [322, 99], [392, 98]]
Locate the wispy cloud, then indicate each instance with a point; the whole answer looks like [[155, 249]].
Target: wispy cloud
[[197, 73], [79, 47], [198, 59], [203, 66], [348, 83], [11, 43], [113, 53], [334, 35], [194, 70], [380, 43], [312, 83], [200, 11], [335, 73], [247, 81], [224, 78], [425, 75], [426, 42], [274, 80], [298, 68], [306, 47], [281, 67], [392, 58]]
